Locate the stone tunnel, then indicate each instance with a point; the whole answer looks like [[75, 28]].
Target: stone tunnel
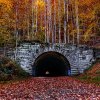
[[51, 64], [53, 60]]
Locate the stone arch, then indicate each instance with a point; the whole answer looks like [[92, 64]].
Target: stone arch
[[51, 63]]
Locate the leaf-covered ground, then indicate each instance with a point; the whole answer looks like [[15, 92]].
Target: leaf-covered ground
[[50, 88], [92, 74]]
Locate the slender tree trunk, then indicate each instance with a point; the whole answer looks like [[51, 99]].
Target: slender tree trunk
[[73, 38], [32, 21], [45, 21], [36, 20], [77, 21], [16, 28], [65, 22], [73, 21], [55, 21], [4, 50], [59, 17], [28, 28], [49, 20], [51, 23], [27, 14]]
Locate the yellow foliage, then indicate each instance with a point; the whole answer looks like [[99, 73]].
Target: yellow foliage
[[8, 3], [40, 3], [89, 15], [89, 31]]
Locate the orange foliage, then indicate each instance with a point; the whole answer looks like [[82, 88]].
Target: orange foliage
[[8, 3]]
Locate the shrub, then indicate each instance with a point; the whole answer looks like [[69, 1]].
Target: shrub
[[10, 70]]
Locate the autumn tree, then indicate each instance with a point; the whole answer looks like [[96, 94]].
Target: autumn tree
[[6, 22]]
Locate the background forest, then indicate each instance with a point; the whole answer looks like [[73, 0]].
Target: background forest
[[26, 20]]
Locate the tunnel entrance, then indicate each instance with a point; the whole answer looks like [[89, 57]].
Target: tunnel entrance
[[51, 64]]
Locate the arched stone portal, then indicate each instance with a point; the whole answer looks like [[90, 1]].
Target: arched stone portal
[[51, 64]]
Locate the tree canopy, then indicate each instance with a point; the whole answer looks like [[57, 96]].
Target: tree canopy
[[28, 17]]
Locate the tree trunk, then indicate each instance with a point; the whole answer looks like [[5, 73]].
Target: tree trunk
[[16, 28], [59, 18], [32, 21], [77, 21], [55, 21], [65, 21]]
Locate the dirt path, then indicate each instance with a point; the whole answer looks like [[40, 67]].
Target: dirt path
[[57, 88]]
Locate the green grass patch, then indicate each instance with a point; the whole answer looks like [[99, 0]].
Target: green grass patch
[[98, 72], [90, 79]]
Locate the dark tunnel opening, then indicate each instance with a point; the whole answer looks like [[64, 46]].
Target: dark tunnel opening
[[51, 64]]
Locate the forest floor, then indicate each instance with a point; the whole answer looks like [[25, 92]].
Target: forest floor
[[49, 88], [92, 74]]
